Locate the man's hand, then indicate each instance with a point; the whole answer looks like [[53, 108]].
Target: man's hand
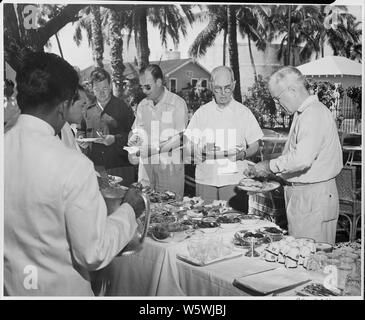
[[236, 153], [261, 169], [134, 140], [107, 140], [82, 145], [134, 198]]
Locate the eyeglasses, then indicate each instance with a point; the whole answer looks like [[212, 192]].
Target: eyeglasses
[[146, 87], [277, 99], [226, 89]]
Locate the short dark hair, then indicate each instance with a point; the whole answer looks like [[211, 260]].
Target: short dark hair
[[99, 74], [155, 70], [44, 80]]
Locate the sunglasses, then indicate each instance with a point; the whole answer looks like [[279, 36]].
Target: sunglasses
[[146, 87]]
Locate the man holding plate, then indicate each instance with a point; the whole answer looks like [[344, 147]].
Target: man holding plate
[[310, 162], [160, 119], [221, 134], [109, 121]]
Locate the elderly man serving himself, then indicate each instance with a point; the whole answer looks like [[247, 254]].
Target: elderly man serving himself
[[224, 132], [311, 159]]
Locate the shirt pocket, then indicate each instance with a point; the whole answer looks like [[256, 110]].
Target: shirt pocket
[[166, 117]]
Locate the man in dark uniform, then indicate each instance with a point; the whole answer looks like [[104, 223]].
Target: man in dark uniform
[[110, 119]]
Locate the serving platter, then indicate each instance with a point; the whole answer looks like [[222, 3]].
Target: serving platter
[[257, 186], [196, 262], [88, 139]]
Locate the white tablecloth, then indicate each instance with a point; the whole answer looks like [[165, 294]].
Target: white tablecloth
[[155, 271]]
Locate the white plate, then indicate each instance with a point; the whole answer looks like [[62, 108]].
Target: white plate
[[114, 179], [269, 186], [132, 149], [174, 237], [88, 139]]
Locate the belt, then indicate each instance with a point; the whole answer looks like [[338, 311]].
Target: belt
[[297, 184]]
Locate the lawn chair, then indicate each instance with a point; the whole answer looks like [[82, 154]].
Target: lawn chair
[[350, 206]]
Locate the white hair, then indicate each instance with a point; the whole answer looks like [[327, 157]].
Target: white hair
[[219, 69]]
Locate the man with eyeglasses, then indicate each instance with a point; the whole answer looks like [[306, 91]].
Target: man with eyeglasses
[[110, 120], [311, 159], [222, 134], [161, 118]]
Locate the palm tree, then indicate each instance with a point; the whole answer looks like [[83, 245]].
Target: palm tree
[[97, 36], [254, 22], [116, 52], [221, 18], [308, 31], [233, 50], [171, 20]]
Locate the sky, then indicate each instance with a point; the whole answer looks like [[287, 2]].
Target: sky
[[82, 56]]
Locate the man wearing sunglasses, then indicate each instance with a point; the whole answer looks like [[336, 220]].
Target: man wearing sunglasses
[[225, 132], [311, 159], [110, 119], [160, 118]]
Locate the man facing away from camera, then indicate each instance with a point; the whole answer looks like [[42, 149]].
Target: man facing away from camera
[[56, 227], [310, 162]]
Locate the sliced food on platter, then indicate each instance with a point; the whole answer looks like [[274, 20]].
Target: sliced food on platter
[[253, 185], [230, 217]]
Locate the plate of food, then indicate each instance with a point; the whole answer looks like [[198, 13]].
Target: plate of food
[[229, 218], [113, 180], [243, 238], [253, 185], [207, 224], [274, 233], [170, 232]]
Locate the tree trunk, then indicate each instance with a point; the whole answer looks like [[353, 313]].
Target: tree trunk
[[142, 37], [233, 51], [289, 36], [225, 31], [59, 44], [116, 53], [97, 36], [251, 57], [224, 45]]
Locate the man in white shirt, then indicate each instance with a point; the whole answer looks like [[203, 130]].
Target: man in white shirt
[[311, 159], [56, 227], [160, 117], [226, 127]]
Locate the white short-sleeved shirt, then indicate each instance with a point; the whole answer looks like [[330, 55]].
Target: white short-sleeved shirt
[[159, 122], [233, 125]]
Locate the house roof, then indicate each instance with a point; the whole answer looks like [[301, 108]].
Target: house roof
[[331, 65], [131, 70]]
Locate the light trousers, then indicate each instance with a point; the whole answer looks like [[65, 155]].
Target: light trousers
[[313, 210]]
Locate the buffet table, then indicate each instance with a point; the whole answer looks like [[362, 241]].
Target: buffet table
[[156, 271]]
